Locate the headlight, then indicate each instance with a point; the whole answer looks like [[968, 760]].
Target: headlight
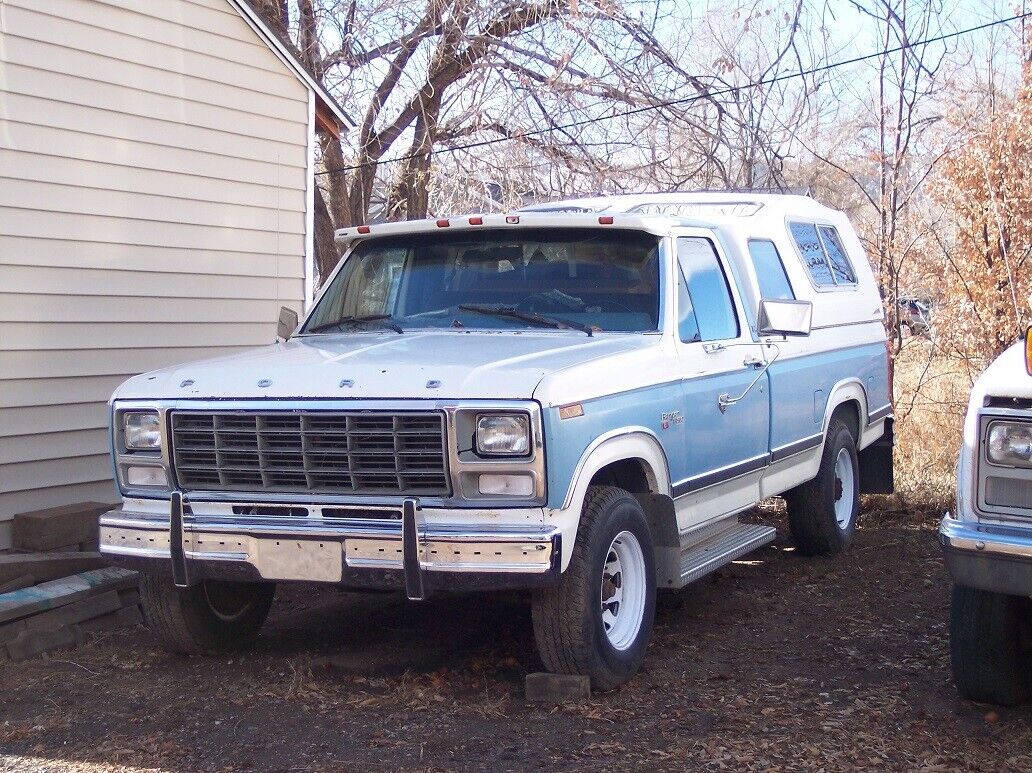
[[141, 431], [503, 435], [1010, 444]]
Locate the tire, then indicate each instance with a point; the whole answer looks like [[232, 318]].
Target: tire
[[205, 619], [573, 633], [989, 646], [822, 513]]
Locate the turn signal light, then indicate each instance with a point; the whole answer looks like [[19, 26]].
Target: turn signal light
[[1028, 351], [363, 229]]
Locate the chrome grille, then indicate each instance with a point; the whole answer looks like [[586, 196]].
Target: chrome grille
[[361, 452]]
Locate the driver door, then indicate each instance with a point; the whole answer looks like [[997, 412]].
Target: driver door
[[726, 439]]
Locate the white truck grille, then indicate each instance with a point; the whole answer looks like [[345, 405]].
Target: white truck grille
[[360, 452]]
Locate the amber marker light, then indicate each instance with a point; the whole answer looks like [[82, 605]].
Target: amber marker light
[[1028, 351], [571, 411]]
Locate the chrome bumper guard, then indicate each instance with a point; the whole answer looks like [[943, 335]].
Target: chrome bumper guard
[[988, 556], [330, 549]]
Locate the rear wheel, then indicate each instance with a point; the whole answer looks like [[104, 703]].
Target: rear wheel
[[207, 618], [822, 512], [990, 646]]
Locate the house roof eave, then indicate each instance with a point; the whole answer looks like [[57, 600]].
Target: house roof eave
[[303, 74]]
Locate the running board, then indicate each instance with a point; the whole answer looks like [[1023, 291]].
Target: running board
[[723, 548]]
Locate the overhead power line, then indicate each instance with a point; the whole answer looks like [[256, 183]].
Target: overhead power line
[[683, 100]]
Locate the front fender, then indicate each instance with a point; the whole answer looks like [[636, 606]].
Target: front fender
[[638, 443]]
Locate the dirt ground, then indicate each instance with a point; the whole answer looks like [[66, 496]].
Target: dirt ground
[[776, 661]]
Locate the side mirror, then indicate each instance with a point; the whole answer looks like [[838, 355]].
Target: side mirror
[[287, 322], [787, 318]]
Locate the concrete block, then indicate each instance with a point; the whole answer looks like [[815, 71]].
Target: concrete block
[[557, 688], [47, 566], [58, 527]]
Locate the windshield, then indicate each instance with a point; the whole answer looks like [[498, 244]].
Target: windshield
[[584, 279]]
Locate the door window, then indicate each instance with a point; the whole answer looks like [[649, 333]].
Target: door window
[[770, 271], [707, 312]]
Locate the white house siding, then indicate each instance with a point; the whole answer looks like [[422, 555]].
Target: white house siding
[[152, 194]]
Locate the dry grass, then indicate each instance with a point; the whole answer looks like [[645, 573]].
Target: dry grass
[[931, 393]]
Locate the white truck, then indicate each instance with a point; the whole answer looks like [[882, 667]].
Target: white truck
[[578, 399], [988, 539]]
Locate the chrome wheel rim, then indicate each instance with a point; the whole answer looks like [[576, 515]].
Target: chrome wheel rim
[[623, 590], [845, 488]]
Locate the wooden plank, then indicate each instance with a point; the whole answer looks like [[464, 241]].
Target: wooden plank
[[58, 527], [25, 581], [93, 606], [21, 501], [46, 566], [26, 646], [57, 593], [125, 617]]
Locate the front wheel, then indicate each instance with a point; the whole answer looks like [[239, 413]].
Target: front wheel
[[822, 513], [990, 646], [207, 618], [598, 621]]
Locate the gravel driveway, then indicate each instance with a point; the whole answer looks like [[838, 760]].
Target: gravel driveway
[[776, 661]]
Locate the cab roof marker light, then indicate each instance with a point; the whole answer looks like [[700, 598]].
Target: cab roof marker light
[[443, 223], [363, 229], [476, 221], [605, 220], [512, 219]]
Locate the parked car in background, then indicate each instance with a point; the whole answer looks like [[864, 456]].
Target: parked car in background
[[915, 314], [576, 402], [988, 539]]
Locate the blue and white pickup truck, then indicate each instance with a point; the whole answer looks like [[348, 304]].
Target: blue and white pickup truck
[[988, 540], [578, 398]]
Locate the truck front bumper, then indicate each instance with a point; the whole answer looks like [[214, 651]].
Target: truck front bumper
[[988, 556], [362, 548]]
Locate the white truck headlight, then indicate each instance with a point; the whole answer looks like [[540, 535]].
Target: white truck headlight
[[1010, 444], [503, 435], [141, 431]]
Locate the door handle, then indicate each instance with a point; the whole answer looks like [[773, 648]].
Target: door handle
[[752, 361]]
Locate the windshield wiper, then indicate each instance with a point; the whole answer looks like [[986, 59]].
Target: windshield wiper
[[534, 319], [385, 320]]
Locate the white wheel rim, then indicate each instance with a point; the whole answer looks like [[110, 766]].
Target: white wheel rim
[[623, 590], [845, 488], [221, 614]]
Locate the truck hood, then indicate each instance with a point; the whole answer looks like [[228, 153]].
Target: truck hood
[[438, 365]]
